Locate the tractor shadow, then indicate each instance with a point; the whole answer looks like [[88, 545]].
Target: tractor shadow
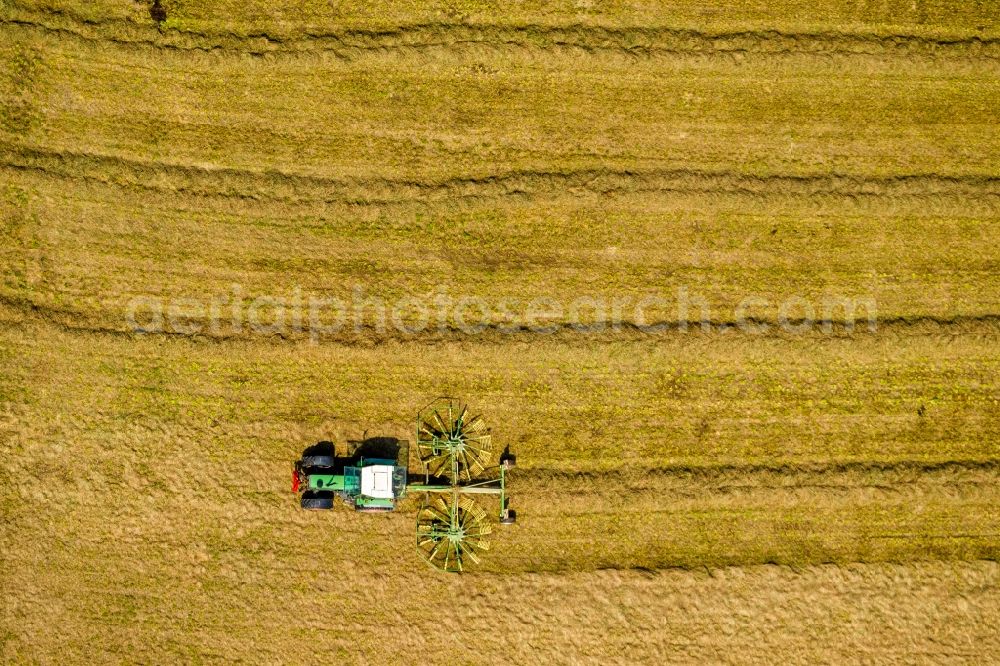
[[389, 448], [376, 447], [323, 448]]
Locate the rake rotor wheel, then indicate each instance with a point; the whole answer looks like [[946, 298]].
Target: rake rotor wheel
[[451, 536], [451, 443]]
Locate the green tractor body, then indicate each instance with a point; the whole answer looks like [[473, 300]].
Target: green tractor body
[[372, 484]]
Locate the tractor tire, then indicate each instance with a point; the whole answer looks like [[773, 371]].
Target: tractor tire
[[316, 501], [316, 461], [509, 518]]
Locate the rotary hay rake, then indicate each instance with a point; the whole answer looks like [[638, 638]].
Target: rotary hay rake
[[456, 452], [452, 527]]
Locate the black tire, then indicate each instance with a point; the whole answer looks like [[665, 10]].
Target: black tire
[[316, 461], [317, 500], [509, 517]]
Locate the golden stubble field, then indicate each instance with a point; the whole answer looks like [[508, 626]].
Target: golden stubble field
[[794, 493]]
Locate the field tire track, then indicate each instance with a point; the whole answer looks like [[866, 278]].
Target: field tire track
[[24, 311], [601, 504], [96, 323], [832, 476], [638, 42], [284, 187]]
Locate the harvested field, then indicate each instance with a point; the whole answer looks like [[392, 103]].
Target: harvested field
[[727, 283]]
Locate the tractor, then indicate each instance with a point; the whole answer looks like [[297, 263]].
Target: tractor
[[455, 451]]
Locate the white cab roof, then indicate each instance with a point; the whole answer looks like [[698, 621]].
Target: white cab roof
[[376, 481]]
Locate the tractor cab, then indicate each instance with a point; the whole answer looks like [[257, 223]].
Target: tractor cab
[[375, 484]]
